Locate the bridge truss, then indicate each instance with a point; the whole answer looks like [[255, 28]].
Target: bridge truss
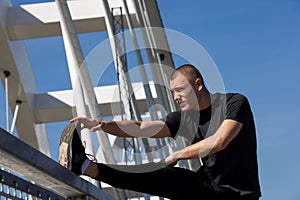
[[36, 174]]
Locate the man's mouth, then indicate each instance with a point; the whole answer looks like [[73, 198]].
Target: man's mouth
[[180, 103]]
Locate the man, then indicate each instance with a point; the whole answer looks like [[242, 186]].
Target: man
[[219, 127]]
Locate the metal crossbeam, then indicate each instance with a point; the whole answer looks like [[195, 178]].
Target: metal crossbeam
[[14, 187], [24, 160]]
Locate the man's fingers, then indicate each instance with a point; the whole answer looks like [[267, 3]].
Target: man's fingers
[[93, 129], [87, 123], [82, 126], [171, 161], [75, 119], [98, 126]]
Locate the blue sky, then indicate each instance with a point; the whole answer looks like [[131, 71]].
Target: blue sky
[[255, 45]]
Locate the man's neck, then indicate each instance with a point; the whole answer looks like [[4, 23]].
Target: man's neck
[[205, 100]]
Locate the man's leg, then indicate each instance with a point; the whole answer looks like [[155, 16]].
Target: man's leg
[[156, 179], [153, 178]]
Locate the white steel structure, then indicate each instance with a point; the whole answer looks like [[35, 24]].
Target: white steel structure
[[42, 20], [32, 110]]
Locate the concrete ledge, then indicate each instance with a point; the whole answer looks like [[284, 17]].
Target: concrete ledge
[[26, 161]]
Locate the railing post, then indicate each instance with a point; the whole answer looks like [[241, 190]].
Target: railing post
[[6, 75]]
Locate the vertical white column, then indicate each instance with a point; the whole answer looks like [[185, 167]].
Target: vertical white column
[[151, 54], [6, 74], [73, 66], [149, 97], [124, 78], [18, 103], [81, 82]]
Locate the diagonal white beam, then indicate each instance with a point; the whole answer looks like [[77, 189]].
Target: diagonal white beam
[[80, 79], [21, 86], [57, 105], [42, 20]]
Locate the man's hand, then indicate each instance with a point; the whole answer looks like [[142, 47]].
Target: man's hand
[[89, 123], [173, 158]]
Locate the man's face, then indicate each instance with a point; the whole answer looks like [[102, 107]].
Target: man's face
[[184, 94]]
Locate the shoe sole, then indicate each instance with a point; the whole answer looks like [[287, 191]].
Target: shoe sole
[[65, 146]]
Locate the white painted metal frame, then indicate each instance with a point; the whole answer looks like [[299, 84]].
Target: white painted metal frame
[[49, 19]]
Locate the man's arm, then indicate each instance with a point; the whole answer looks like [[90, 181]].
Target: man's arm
[[154, 129], [217, 142]]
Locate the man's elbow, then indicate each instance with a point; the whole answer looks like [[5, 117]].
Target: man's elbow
[[221, 144]]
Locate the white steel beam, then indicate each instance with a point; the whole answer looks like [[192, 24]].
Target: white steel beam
[[57, 106], [14, 59], [81, 81], [42, 20], [74, 58]]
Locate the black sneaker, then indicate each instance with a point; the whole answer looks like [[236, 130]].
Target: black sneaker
[[71, 151]]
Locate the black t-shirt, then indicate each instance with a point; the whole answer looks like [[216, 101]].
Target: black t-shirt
[[234, 167]]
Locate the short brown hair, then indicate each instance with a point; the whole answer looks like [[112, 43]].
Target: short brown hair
[[189, 71]]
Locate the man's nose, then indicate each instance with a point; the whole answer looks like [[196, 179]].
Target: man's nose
[[175, 96]]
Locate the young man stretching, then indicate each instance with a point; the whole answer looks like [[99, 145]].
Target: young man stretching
[[219, 127]]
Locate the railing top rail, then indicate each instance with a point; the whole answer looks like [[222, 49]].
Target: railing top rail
[[28, 162]]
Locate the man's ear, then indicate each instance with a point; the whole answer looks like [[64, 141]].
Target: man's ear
[[199, 84]]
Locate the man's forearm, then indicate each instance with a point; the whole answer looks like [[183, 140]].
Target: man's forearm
[[122, 128], [212, 144], [154, 129], [197, 150]]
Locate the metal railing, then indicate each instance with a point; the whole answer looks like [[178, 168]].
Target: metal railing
[[45, 178], [15, 187]]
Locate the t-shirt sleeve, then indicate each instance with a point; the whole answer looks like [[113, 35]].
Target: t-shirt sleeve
[[172, 121], [238, 109]]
